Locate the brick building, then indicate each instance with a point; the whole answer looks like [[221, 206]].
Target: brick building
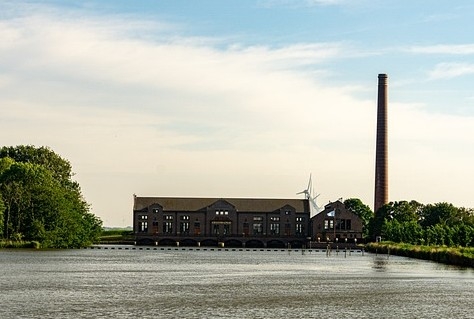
[[227, 222], [336, 224]]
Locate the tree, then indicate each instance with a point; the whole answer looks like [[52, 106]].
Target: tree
[[363, 211], [60, 168], [403, 232], [41, 200], [402, 211], [440, 213], [466, 215], [433, 224], [2, 209], [5, 163]]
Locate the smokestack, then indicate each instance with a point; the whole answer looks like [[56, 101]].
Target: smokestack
[[381, 160]]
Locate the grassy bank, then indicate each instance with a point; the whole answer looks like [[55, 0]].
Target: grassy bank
[[117, 236], [108, 236], [19, 244], [442, 254]]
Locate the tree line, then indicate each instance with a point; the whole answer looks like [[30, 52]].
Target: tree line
[[414, 223], [39, 200]]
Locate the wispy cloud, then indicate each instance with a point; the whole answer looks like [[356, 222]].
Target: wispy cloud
[[451, 70], [445, 49], [295, 54], [301, 3], [242, 94], [163, 113]]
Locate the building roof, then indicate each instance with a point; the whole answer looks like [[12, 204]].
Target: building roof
[[339, 208], [241, 204]]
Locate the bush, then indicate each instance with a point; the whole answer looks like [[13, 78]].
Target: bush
[[442, 254]]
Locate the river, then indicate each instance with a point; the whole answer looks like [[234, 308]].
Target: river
[[204, 283]]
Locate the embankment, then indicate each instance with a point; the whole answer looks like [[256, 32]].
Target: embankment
[[462, 256], [19, 244]]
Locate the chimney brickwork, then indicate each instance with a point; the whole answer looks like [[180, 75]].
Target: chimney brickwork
[[381, 151]]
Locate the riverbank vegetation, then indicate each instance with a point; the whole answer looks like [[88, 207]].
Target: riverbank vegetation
[[19, 244], [440, 232], [117, 236], [460, 256], [440, 224], [40, 202], [410, 222]]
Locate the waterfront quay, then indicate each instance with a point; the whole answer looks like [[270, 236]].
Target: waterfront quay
[[328, 249]]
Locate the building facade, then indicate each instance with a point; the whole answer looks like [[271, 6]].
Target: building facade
[[337, 224], [224, 222]]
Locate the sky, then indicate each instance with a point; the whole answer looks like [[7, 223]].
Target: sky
[[242, 98]]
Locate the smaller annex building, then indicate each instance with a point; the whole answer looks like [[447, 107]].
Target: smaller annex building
[[336, 223], [224, 222]]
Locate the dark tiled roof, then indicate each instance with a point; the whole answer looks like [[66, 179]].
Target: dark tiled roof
[[340, 208], [241, 204]]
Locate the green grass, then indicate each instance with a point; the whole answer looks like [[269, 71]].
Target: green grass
[[461, 256], [116, 235], [19, 244], [109, 236]]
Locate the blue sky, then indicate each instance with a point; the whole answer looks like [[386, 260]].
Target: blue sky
[[242, 98]]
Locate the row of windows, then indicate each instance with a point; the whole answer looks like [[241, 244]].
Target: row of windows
[[186, 217], [165, 217], [218, 212], [184, 227], [341, 224]]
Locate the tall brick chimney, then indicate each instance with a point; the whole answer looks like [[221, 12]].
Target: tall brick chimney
[[381, 151]]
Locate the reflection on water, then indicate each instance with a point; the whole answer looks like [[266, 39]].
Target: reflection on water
[[380, 263], [228, 284]]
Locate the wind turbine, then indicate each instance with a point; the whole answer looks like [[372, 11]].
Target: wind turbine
[[314, 209]]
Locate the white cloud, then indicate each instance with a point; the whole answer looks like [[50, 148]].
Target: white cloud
[[183, 118], [448, 49], [161, 114], [301, 3], [451, 70]]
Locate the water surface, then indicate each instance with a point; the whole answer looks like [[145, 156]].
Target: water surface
[[183, 283]]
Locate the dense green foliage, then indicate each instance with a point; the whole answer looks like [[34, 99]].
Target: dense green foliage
[[40, 201], [363, 211], [414, 223], [116, 232], [432, 224]]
